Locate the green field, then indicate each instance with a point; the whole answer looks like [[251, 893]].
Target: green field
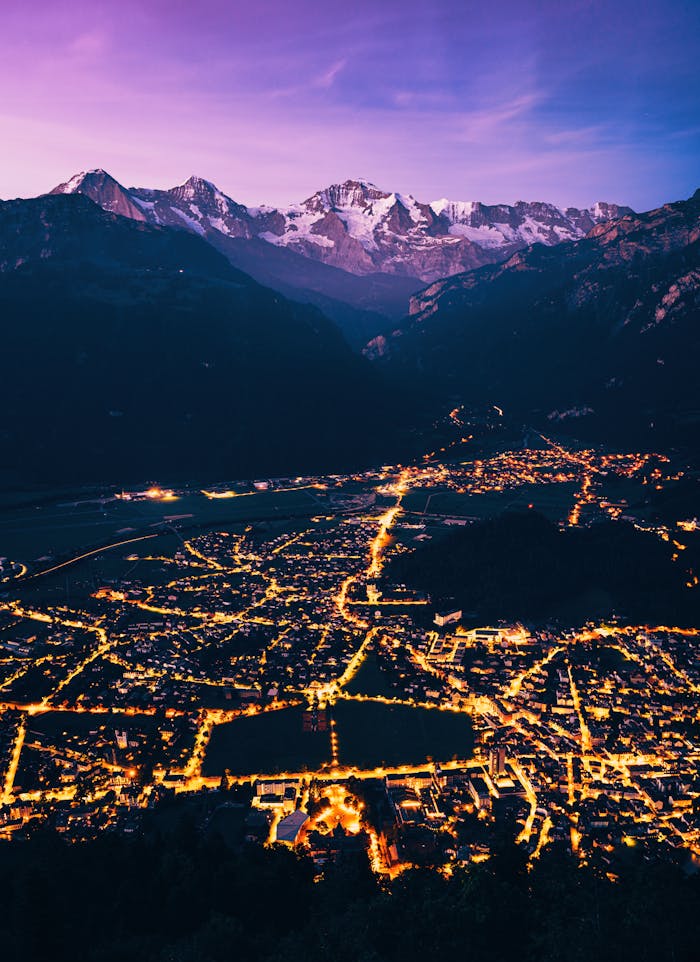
[[552, 500], [370, 734], [56, 725], [371, 679], [28, 532], [268, 743]]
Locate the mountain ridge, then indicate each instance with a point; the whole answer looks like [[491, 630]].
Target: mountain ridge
[[360, 306], [605, 329], [355, 225], [134, 351]]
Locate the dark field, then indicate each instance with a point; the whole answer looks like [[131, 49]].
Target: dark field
[[52, 726], [554, 501], [520, 566], [29, 532], [371, 679], [371, 734], [269, 743]]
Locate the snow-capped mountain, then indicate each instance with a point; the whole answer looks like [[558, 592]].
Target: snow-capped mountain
[[603, 330], [105, 191], [355, 226], [503, 227], [191, 368], [197, 205], [364, 230], [360, 228]]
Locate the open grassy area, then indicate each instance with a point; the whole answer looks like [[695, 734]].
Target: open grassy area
[[28, 532], [371, 679], [520, 566], [552, 500], [55, 725], [371, 734], [268, 743]]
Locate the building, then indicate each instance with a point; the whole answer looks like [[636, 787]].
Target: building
[[276, 793], [289, 828], [336, 846], [417, 781], [447, 617], [486, 635], [497, 761], [479, 792]]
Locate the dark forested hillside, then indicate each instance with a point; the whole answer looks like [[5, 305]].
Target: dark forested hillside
[[600, 334], [193, 900], [521, 566], [132, 351]]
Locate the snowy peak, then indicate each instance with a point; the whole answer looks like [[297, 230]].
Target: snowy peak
[[361, 197], [200, 183], [196, 188], [509, 228], [355, 225], [351, 193], [362, 229], [103, 190], [85, 179], [456, 211], [602, 211], [197, 205]]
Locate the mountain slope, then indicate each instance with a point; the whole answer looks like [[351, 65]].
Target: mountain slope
[[350, 243], [132, 351], [604, 330], [363, 229], [359, 305]]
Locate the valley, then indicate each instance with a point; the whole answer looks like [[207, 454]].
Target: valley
[[268, 632]]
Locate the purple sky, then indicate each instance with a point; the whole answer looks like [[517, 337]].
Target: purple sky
[[570, 101]]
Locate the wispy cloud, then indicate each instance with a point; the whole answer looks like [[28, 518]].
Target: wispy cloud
[[576, 135], [477, 125], [422, 99], [443, 99], [90, 44], [329, 77]]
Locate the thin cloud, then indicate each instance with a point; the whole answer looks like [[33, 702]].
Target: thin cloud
[[576, 135], [495, 105], [87, 45], [328, 78], [478, 125]]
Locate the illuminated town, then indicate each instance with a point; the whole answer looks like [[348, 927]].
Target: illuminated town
[[269, 665], [350, 481]]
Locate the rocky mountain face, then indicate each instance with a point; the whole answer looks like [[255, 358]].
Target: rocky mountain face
[[354, 226], [105, 191], [132, 346], [360, 306], [133, 351], [195, 205], [605, 329], [362, 229], [73, 230]]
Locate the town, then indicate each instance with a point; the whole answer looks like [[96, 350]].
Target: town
[[267, 674]]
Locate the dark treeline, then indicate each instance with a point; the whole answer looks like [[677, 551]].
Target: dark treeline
[[521, 566], [195, 900]]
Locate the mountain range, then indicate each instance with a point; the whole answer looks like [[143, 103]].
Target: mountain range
[[600, 334], [355, 251], [134, 351], [154, 333]]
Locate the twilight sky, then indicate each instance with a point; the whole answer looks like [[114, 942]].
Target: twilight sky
[[569, 101]]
